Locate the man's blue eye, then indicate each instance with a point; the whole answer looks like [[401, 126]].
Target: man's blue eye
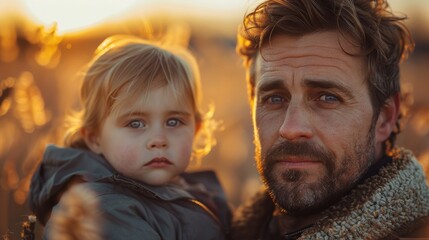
[[136, 124], [328, 98], [275, 99]]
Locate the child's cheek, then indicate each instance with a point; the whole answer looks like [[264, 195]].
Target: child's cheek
[[126, 159], [187, 150]]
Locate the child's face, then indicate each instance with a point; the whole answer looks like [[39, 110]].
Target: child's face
[[152, 144]]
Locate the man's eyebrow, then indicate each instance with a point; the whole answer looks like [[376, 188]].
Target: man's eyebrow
[[326, 84], [270, 85]]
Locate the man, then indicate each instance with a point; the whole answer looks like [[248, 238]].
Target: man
[[325, 95]]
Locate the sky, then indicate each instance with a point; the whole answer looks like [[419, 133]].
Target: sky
[[74, 15]]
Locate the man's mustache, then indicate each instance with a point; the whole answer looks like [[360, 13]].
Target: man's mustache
[[300, 149]]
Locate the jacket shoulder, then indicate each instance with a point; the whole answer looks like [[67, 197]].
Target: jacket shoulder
[[213, 197], [97, 211]]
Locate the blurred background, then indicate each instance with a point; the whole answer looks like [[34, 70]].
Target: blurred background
[[45, 43]]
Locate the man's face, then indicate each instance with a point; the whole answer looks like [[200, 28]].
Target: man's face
[[312, 118]]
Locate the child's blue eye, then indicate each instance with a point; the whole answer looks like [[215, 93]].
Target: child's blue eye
[[173, 122], [136, 124]]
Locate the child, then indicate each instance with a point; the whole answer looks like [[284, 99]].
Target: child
[[134, 141]]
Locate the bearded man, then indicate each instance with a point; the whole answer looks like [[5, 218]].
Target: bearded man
[[325, 96]]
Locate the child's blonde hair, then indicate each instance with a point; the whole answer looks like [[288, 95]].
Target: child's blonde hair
[[135, 66]]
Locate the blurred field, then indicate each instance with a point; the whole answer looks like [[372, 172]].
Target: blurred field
[[38, 86]]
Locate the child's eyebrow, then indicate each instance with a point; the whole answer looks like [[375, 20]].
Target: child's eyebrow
[[133, 113], [175, 112], [145, 114]]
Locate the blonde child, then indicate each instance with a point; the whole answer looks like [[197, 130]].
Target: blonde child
[[130, 150]]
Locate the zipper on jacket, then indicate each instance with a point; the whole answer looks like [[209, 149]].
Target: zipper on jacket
[[119, 179], [206, 209]]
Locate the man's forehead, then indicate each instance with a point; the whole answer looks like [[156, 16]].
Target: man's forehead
[[331, 42], [319, 48], [317, 57]]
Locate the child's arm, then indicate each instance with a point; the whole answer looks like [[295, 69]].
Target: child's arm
[[82, 214], [75, 216]]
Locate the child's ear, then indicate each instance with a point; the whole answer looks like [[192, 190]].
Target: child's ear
[[387, 118], [92, 140], [197, 127]]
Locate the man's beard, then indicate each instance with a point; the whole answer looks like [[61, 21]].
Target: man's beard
[[296, 197]]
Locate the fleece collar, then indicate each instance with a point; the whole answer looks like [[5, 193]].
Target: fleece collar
[[382, 204]]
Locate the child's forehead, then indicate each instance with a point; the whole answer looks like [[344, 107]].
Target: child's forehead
[[143, 91], [162, 97]]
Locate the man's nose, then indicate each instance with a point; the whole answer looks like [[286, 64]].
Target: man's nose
[[296, 124]]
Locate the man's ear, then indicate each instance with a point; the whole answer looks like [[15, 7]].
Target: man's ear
[[92, 140], [387, 118]]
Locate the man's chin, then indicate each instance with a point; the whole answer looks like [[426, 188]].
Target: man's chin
[[295, 207], [301, 197], [296, 180]]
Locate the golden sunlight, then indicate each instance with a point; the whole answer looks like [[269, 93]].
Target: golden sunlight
[[74, 15]]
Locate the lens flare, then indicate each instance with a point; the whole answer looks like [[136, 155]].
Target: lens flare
[[75, 15]]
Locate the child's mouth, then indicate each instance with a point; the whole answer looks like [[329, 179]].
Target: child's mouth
[[158, 163]]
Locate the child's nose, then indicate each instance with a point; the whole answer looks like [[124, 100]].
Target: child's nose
[[157, 142]]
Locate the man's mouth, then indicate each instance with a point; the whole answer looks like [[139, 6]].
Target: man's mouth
[[158, 163], [298, 162]]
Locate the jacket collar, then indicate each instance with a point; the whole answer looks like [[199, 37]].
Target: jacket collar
[[60, 165], [383, 203], [167, 192]]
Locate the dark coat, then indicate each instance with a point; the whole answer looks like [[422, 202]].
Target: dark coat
[[132, 209]]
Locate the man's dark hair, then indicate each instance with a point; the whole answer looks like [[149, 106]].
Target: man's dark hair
[[382, 37]]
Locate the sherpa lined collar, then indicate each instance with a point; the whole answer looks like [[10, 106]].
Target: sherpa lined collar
[[383, 203]]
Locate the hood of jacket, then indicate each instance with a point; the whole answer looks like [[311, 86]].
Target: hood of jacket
[[58, 167]]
